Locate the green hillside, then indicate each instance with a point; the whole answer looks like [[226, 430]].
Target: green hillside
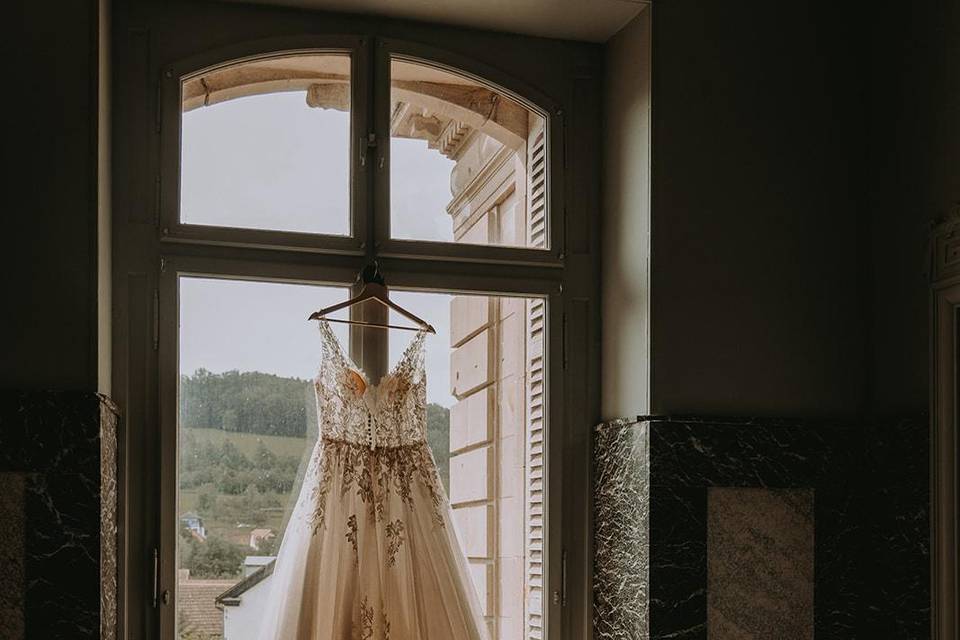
[[247, 442]]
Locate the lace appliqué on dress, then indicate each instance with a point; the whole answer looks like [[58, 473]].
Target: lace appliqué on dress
[[394, 540], [351, 536], [366, 629], [377, 474], [374, 434]]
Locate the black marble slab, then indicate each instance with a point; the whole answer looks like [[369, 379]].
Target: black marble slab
[[678, 562], [61, 446], [868, 483], [894, 503], [13, 489]]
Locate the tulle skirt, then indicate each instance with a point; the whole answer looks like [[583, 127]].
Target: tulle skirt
[[371, 553]]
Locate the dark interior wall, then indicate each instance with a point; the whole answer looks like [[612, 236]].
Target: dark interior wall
[[756, 207], [914, 143], [799, 158], [49, 252]]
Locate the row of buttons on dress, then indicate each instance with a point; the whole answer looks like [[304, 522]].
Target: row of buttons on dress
[[370, 428]]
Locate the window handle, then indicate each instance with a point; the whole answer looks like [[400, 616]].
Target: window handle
[[156, 575]]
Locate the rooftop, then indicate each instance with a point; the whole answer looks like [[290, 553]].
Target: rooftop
[[198, 613]]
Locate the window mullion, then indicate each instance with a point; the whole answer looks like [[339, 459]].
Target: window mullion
[[364, 155], [380, 129], [368, 347]]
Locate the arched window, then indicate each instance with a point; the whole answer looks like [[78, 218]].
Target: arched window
[[491, 145], [283, 173], [275, 144], [265, 144]]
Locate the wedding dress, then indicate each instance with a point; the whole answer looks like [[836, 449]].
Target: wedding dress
[[370, 551]]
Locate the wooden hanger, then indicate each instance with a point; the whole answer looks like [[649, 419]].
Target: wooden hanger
[[373, 289]]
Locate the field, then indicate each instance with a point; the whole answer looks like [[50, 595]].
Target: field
[[234, 515], [247, 442]]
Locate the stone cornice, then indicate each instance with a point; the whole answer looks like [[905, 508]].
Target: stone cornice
[[473, 188]]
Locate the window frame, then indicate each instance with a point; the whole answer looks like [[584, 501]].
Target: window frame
[[388, 49], [369, 212], [172, 229], [944, 318], [431, 280], [414, 265], [153, 50]]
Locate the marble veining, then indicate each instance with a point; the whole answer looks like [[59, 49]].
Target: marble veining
[[621, 537], [678, 569], [109, 417]]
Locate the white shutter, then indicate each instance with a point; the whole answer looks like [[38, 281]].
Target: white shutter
[[537, 189], [536, 308]]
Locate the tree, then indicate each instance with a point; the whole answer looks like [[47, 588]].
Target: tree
[[248, 402], [438, 437], [231, 482], [206, 501], [213, 558]]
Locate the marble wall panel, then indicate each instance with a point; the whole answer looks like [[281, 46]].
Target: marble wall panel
[[53, 440], [895, 509], [13, 489], [870, 518]]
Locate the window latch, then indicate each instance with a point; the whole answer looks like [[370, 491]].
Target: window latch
[[369, 143]]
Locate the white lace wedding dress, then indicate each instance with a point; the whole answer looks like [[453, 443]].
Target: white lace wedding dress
[[370, 551]]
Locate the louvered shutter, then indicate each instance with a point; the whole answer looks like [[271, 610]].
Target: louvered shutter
[[536, 308], [537, 189]]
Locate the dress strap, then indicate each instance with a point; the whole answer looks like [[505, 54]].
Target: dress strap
[[412, 360], [331, 351]]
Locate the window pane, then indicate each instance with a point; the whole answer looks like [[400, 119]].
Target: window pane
[[467, 161], [266, 145], [247, 424]]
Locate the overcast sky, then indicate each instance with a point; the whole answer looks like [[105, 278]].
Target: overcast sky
[[272, 162], [262, 326]]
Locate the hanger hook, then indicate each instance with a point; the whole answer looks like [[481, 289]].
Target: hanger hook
[[372, 273]]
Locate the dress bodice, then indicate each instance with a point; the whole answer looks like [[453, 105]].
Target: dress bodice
[[391, 413]]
